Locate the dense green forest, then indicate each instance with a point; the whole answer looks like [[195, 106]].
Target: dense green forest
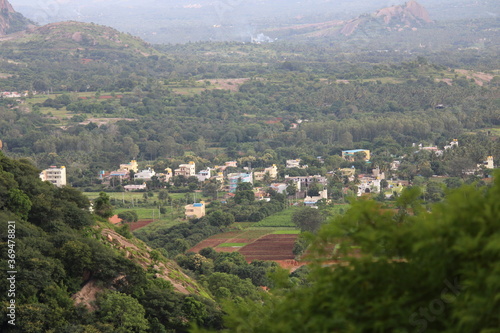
[[170, 105]]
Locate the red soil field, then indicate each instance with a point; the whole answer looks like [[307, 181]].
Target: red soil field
[[237, 236], [227, 249], [270, 247], [210, 242], [139, 224]]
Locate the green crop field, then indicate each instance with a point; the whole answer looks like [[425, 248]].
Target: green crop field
[[144, 213], [232, 244], [281, 219], [286, 232]]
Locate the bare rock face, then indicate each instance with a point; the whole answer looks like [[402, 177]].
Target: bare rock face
[[418, 11], [10, 20], [396, 18], [5, 6], [408, 17], [408, 14]]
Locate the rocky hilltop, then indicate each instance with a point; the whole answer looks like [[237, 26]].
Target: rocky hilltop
[[10, 20], [410, 13], [74, 36], [409, 16]]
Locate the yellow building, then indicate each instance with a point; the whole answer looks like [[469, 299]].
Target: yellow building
[[272, 171], [130, 166], [195, 211]]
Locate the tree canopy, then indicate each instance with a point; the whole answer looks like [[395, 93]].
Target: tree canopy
[[432, 271]]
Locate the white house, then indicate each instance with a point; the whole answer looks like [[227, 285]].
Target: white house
[[145, 174], [135, 187], [203, 175], [186, 170], [55, 175], [293, 163], [368, 185], [279, 187], [312, 201]]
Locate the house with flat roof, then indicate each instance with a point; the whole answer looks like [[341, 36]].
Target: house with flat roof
[[304, 181], [186, 170], [135, 187], [235, 178], [55, 175], [131, 166], [145, 174], [293, 163], [195, 211], [204, 175], [312, 201], [272, 171]]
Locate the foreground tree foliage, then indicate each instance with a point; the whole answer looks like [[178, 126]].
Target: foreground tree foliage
[[428, 271]]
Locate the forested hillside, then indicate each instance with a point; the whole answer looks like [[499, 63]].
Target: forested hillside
[[73, 272]]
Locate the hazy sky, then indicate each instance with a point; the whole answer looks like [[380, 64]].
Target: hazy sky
[[192, 19]]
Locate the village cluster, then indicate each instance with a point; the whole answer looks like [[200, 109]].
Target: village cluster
[[136, 179]]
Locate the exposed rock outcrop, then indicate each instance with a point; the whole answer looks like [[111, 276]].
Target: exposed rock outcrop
[[408, 14], [10, 20]]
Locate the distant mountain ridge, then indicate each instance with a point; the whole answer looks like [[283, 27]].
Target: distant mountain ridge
[[10, 20], [411, 15]]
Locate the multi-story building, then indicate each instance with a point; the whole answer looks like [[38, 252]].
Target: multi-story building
[[235, 178], [293, 163], [55, 175], [304, 181], [488, 164], [186, 170]]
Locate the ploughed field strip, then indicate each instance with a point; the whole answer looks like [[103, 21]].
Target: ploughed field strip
[[139, 224], [270, 247], [240, 236]]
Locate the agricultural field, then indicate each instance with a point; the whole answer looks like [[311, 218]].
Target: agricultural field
[[139, 224], [254, 242], [281, 219], [270, 247]]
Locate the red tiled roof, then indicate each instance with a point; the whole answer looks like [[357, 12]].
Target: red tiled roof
[[115, 219]]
